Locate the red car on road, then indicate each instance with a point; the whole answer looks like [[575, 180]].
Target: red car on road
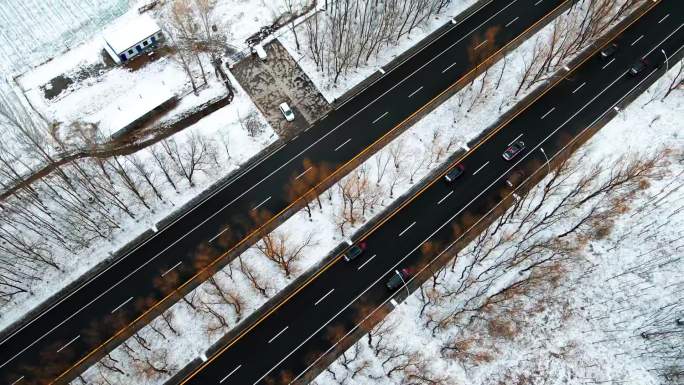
[[513, 150]]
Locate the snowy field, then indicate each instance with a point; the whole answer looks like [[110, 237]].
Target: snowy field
[[217, 306], [117, 96], [51, 27], [609, 317], [36, 30]]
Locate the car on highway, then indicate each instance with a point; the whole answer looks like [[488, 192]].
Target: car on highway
[[609, 51], [354, 251], [398, 278], [513, 150], [638, 67], [287, 112], [454, 173], [515, 178]]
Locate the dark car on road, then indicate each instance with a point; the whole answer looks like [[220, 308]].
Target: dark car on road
[[638, 67], [398, 278], [454, 173], [609, 51], [354, 251], [513, 150], [515, 178]]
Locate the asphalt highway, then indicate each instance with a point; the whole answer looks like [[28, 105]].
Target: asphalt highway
[[50, 347], [287, 342]]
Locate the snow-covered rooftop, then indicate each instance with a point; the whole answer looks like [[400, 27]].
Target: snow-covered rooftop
[[129, 32]]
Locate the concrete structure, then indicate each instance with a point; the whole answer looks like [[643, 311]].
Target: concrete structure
[[128, 39]]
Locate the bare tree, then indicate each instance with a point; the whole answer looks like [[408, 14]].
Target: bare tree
[[195, 155], [279, 247]]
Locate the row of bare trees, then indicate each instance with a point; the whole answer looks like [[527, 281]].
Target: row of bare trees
[[349, 33], [521, 257], [543, 230], [195, 35], [215, 307], [65, 210], [570, 33], [63, 213]]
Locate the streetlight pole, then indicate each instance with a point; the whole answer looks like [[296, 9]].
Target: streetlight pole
[[547, 159], [408, 293], [667, 62]]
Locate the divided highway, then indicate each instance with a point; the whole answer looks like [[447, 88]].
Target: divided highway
[[284, 344], [51, 346]]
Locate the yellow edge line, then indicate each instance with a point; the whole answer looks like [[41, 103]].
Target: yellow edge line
[[370, 231], [337, 258]]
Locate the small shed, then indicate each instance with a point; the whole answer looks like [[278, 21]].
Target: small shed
[[131, 37]]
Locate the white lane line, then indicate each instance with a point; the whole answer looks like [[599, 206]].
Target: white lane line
[[436, 56], [295, 137], [380, 117], [230, 203], [122, 305], [230, 374], [440, 228], [481, 44], [516, 139], [259, 205], [219, 234], [537, 3], [68, 343], [636, 41], [17, 381], [278, 335], [658, 45], [340, 146], [664, 18], [455, 24], [414, 92], [115, 263], [449, 67], [481, 167], [445, 197], [169, 270], [607, 64], [578, 88], [547, 114], [302, 174], [407, 229], [512, 21], [364, 264], [323, 297]]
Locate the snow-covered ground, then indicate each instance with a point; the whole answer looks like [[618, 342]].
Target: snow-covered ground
[[113, 98], [35, 30], [118, 96], [414, 153], [331, 90], [233, 145], [587, 327]]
